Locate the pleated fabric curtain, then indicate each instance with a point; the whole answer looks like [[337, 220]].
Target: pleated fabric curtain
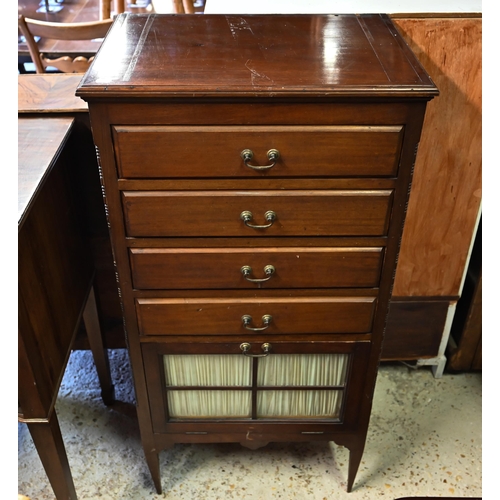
[[215, 370], [301, 370], [277, 370]]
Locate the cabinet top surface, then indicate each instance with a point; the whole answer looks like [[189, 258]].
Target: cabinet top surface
[[290, 55]]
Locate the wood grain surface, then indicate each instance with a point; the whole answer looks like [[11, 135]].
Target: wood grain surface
[[49, 93], [293, 55], [39, 145], [446, 190]]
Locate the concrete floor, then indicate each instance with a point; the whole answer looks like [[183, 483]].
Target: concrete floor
[[424, 440]]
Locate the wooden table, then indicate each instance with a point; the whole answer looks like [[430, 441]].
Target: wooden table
[[55, 279], [49, 93]]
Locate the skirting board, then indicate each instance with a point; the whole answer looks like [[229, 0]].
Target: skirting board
[[418, 330]]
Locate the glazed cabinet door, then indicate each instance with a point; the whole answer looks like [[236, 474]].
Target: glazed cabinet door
[[253, 382]]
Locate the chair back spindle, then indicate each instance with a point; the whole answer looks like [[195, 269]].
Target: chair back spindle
[[30, 28]]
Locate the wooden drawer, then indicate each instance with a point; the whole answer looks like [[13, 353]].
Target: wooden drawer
[[217, 268], [221, 316], [305, 151], [219, 213]]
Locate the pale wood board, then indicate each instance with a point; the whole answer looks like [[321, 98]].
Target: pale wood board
[[446, 191], [49, 93]]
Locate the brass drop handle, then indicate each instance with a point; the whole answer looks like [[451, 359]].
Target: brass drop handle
[[246, 319], [272, 155], [268, 271], [245, 347], [246, 216]]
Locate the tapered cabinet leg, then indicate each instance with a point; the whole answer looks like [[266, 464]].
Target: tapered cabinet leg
[[100, 353], [153, 461], [50, 447], [355, 454]]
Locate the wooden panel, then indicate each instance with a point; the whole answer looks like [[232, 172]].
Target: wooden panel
[[218, 213], [213, 268], [446, 191], [54, 275], [152, 152], [205, 316], [414, 329]]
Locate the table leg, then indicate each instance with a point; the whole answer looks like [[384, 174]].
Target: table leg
[[100, 353], [50, 447]]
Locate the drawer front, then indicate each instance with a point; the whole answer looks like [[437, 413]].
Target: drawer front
[[285, 213], [168, 152], [218, 268], [204, 316]]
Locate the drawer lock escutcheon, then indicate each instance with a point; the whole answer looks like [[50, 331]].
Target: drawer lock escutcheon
[[246, 216], [268, 271], [245, 347], [246, 319], [272, 155]]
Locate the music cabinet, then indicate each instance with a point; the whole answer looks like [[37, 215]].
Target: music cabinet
[[255, 172]]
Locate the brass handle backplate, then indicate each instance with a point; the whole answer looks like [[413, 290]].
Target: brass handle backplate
[[246, 319], [245, 347], [272, 155], [269, 270], [246, 216]]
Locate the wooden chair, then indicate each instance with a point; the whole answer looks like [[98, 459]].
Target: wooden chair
[[188, 6], [61, 31]]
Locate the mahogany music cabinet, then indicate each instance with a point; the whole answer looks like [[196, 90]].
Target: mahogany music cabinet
[[256, 172]]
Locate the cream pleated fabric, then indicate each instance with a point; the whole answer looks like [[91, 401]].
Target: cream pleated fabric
[[276, 370]]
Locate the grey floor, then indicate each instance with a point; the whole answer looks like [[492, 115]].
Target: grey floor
[[424, 440]]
